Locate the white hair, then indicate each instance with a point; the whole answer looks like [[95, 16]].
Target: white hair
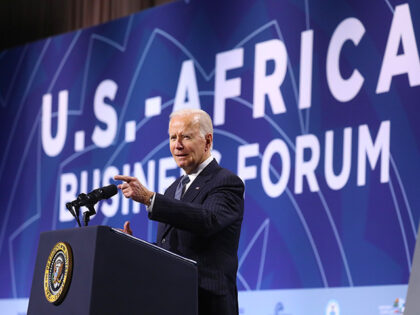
[[200, 116]]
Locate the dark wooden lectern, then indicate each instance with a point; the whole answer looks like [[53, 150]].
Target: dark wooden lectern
[[114, 273]]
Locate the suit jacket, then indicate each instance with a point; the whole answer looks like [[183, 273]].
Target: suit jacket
[[204, 225]]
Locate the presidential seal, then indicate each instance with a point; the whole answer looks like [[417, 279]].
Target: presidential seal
[[58, 271]]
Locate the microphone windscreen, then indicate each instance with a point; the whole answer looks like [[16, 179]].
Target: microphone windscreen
[[109, 191]]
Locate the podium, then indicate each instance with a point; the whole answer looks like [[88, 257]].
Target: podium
[[115, 273]]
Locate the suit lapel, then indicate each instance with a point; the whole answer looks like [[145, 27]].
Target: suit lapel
[[193, 190], [200, 181]]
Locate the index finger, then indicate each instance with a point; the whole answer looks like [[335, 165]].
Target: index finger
[[124, 178]]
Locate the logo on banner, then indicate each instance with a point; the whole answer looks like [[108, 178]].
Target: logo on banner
[[279, 309], [58, 271], [396, 308], [332, 308]]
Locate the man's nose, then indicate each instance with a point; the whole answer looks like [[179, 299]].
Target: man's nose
[[178, 144]]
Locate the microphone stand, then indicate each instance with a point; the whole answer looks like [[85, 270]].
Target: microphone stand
[[74, 210], [88, 214], [89, 205], [89, 201]]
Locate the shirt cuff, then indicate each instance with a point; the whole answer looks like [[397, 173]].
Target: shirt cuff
[[152, 202]]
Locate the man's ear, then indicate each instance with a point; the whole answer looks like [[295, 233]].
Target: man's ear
[[209, 141]]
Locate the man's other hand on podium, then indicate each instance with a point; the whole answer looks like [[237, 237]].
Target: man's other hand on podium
[[127, 228]]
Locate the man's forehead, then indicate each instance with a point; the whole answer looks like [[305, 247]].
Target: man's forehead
[[182, 123]]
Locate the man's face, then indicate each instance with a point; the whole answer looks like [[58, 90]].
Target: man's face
[[187, 145]]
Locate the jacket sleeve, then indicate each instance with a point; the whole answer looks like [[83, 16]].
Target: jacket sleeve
[[222, 205]]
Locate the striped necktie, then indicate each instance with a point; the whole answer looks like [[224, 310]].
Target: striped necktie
[[181, 187]]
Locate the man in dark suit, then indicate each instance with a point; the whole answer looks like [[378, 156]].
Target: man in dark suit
[[200, 214]]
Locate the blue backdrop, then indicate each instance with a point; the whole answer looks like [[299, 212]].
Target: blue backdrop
[[314, 105]]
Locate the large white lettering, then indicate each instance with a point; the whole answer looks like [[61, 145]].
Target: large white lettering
[[276, 146], [68, 190], [408, 62], [342, 89], [244, 152], [269, 84], [381, 146], [305, 77], [306, 168], [226, 88], [105, 113], [337, 181], [53, 145], [110, 207], [187, 91]]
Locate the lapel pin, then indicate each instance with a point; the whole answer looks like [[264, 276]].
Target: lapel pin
[[197, 188]]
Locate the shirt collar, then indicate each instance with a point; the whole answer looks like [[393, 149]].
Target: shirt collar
[[200, 168]]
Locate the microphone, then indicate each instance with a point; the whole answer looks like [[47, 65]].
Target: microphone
[[95, 195], [89, 201]]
